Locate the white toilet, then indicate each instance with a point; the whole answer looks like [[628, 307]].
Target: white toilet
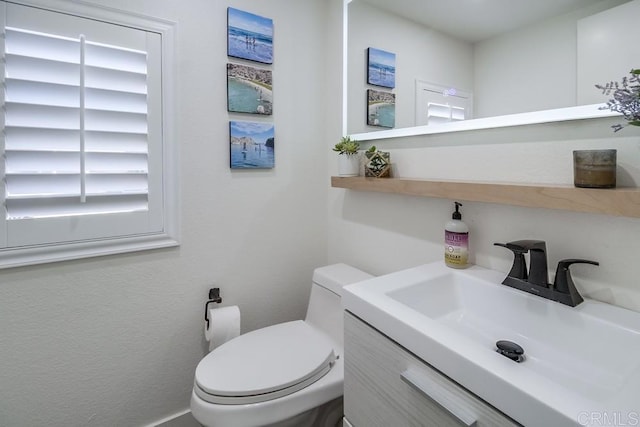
[[290, 374]]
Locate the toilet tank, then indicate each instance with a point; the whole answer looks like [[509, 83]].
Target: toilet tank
[[325, 305]]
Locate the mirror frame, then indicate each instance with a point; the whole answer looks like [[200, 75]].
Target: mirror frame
[[580, 112]]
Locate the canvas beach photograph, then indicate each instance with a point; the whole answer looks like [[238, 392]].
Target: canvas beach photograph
[[249, 36], [249, 90], [381, 108], [252, 145], [381, 68]]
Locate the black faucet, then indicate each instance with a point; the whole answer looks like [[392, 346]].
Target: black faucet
[[536, 281]]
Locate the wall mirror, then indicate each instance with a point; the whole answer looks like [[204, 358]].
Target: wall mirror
[[469, 64]]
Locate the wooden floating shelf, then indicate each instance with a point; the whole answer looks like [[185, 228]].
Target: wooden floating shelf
[[613, 201]]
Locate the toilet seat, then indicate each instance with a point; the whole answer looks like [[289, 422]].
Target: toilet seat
[[264, 364]]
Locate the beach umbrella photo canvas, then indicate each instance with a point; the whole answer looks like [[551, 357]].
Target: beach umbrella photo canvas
[[381, 108], [249, 90]]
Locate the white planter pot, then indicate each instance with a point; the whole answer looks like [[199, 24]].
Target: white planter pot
[[348, 165]]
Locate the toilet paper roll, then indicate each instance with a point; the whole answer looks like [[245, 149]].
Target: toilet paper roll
[[224, 324]]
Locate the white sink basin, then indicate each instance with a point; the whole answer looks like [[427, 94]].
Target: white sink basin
[[582, 363]]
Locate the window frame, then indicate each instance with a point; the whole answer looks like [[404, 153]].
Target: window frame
[[170, 234]]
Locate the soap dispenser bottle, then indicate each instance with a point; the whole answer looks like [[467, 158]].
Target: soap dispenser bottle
[[456, 241]]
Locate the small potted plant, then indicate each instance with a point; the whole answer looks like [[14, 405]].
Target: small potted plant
[[348, 160], [378, 163]]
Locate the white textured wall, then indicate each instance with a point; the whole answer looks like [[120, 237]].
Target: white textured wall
[[114, 341], [421, 53]]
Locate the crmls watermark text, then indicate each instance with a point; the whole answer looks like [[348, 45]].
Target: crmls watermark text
[[606, 418]]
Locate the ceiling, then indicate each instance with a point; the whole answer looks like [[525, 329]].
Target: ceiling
[[475, 20]]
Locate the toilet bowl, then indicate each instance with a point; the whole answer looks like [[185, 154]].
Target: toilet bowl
[[289, 374]]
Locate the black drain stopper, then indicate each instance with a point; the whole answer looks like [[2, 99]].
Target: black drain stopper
[[511, 350]]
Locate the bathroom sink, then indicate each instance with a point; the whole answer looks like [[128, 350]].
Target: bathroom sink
[[580, 362]]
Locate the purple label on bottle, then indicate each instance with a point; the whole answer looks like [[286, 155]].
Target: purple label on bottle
[[456, 248]]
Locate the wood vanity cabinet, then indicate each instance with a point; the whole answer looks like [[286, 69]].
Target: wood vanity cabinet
[[387, 386]]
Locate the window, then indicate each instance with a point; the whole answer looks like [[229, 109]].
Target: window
[[89, 160], [437, 104]]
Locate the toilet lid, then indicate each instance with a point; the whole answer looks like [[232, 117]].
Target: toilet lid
[[264, 364]]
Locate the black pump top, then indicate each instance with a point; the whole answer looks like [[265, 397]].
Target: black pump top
[[457, 214]]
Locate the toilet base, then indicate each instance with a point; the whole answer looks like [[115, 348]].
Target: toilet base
[[328, 415]]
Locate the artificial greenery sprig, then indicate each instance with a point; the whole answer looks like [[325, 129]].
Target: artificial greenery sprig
[[626, 98]]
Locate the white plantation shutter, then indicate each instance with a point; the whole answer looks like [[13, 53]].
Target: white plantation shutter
[[443, 113], [83, 131], [436, 104], [75, 125]]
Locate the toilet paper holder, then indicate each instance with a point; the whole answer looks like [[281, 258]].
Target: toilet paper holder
[[214, 296]]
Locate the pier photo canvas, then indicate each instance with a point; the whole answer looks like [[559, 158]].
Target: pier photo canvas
[[381, 68], [249, 36], [249, 90], [381, 108], [252, 145]]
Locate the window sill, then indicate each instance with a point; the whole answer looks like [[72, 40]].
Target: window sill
[[55, 253]]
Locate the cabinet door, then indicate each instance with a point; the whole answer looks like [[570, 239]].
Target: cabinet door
[[385, 385]]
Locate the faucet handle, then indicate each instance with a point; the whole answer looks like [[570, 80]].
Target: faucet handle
[[567, 262], [563, 282], [529, 244], [519, 267]]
